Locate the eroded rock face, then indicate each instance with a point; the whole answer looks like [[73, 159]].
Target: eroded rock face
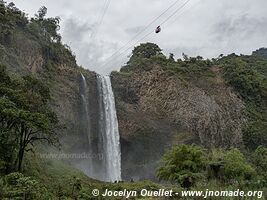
[[157, 109]]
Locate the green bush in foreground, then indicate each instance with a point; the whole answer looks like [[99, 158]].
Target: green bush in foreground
[[18, 186], [186, 164], [183, 164], [236, 168]]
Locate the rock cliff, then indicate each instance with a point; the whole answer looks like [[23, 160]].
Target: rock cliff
[[157, 109]]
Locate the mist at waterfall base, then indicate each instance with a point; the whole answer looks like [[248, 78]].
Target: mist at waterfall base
[[103, 146]]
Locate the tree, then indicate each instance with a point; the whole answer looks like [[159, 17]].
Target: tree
[[236, 168], [247, 81], [262, 52], [25, 116], [7, 152], [47, 28], [76, 187], [259, 159], [18, 186], [32, 127], [146, 50], [171, 57], [183, 164], [51, 28], [41, 13], [247, 75], [185, 57]]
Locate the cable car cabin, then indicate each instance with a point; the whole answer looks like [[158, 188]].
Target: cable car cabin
[[158, 29]]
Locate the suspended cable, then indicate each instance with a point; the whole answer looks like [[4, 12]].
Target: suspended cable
[[104, 13], [168, 18], [187, 9], [144, 29], [101, 18], [174, 12]]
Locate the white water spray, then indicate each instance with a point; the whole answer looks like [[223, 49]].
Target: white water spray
[[109, 130], [105, 141], [89, 169]]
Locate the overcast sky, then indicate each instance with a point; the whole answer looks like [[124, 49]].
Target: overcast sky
[[203, 27]]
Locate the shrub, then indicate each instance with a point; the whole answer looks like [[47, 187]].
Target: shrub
[[18, 186], [183, 164], [236, 168]]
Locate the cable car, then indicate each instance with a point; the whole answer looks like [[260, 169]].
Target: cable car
[[158, 29]]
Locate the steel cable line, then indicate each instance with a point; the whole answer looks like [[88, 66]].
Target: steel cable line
[[174, 12], [168, 18], [184, 11], [144, 29], [105, 11], [101, 18]]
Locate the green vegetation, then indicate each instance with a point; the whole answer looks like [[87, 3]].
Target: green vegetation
[[17, 186], [190, 165], [40, 31], [147, 50], [183, 164], [244, 78], [55, 180], [259, 159], [248, 76], [148, 55], [262, 52], [25, 119], [235, 167]]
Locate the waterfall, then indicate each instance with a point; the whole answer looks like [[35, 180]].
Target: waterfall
[[108, 128], [105, 139], [85, 106], [88, 166]]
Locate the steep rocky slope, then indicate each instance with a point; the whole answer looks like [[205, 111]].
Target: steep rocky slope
[[157, 109], [24, 54]]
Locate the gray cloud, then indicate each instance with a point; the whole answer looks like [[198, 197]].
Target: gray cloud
[[243, 26], [89, 51], [204, 27], [134, 30], [74, 30]]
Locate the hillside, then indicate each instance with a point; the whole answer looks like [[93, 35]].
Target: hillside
[[162, 102], [34, 47]]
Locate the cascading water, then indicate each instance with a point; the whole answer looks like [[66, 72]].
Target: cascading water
[[85, 105], [106, 140], [88, 169], [108, 127]]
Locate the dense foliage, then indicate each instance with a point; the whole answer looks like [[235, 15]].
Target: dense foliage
[[148, 55], [44, 31], [188, 164], [25, 118], [183, 164], [146, 50], [262, 52], [248, 76]]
